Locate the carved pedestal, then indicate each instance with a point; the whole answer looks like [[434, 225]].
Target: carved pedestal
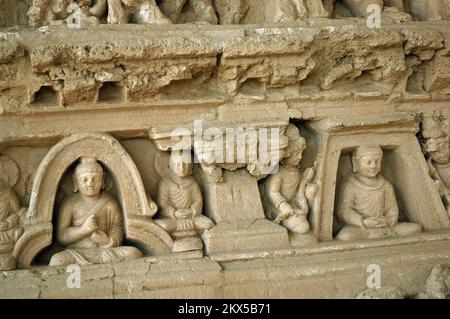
[[235, 207]]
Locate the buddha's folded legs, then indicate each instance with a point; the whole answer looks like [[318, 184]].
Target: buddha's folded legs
[[118, 254], [168, 224], [404, 229], [94, 256], [67, 257], [350, 232], [203, 223]]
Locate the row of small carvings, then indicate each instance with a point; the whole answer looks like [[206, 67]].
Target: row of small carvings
[[92, 12], [409, 64], [90, 221]]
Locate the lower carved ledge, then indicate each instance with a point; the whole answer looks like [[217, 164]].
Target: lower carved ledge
[[334, 270]]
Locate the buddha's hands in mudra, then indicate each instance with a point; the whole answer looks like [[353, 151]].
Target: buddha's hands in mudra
[[100, 238], [184, 213], [377, 222], [90, 225]]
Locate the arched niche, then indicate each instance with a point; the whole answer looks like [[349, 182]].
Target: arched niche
[[138, 208], [404, 166]]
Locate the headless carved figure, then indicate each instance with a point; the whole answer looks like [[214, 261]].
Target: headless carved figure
[[90, 222], [367, 204]]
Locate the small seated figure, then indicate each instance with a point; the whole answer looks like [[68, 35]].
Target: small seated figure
[[90, 222], [367, 203], [181, 202], [10, 229], [286, 193]]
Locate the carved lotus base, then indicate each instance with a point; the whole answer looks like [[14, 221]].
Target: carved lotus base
[[187, 244], [7, 262], [299, 240]]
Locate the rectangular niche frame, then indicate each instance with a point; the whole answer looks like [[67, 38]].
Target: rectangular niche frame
[[395, 134]]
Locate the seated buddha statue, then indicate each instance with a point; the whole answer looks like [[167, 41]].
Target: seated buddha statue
[[181, 203], [90, 222], [367, 204]]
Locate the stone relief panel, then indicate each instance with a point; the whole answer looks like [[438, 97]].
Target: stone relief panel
[[229, 184]]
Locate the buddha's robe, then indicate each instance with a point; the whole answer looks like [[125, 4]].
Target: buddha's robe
[[10, 229], [73, 214], [359, 201], [176, 194]]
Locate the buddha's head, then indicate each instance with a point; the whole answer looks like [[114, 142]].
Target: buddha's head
[[89, 177], [295, 148], [366, 161], [180, 165]]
